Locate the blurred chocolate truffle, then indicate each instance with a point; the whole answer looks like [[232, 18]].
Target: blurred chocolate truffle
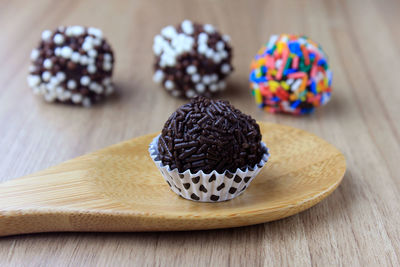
[[72, 65], [210, 135], [192, 59]]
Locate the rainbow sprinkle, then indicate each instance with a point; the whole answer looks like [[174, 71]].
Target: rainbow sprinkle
[[290, 74]]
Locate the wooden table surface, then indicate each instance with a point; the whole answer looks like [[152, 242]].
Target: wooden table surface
[[358, 225]]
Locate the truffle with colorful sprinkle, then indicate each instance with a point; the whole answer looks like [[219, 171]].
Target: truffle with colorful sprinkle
[[290, 74]]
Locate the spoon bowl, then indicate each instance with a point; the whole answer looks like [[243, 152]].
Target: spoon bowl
[[119, 188]]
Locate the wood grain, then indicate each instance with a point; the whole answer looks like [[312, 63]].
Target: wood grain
[[119, 189], [358, 225]]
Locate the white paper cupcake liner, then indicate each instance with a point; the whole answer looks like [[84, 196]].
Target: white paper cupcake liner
[[212, 187]]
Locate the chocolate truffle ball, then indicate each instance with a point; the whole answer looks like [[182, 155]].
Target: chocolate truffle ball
[[210, 135], [72, 65], [192, 59], [290, 74]]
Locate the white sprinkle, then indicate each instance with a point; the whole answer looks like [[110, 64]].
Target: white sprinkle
[[71, 84], [191, 69], [272, 41], [75, 57], [59, 91], [97, 41], [169, 85], [190, 93], [78, 30], [84, 60], [66, 52], [175, 93], [220, 45], [35, 54], [200, 88], [209, 53], [91, 69], [67, 95], [54, 80], [223, 54], [47, 63], [214, 78], [96, 32], [209, 28], [202, 49], [222, 85], [93, 86], [226, 38], [196, 78], [203, 38], [86, 102], [100, 89], [68, 31], [46, 35], [225, 68], [46, 76], [106, 81], [32, 68], [50, 97], [213, 87], [87, 46], [278, 63], [295, 86], [58, 38], [57, 51], [217, 58], [50, 87], [107, 66], [158, 76], [33, 80], [289, 81], [92, 53], [91, 61], [85, 80], [109, 89], [60, 76], [107, 57], [76, 98], [61, 28], [206, 79], [169, 32], [187, 27]]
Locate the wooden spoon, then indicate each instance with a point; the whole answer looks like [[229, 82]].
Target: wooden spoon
[[119, 188]]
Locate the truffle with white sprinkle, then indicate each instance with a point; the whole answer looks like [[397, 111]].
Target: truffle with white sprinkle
[[192, 59], [72, 65]]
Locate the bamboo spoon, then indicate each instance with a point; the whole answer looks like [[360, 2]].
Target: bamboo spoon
[[119, 188]]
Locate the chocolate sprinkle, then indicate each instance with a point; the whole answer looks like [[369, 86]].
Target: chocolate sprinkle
[[210, 135]]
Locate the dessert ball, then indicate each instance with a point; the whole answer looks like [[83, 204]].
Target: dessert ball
[[290, 74], [192, 59], [210, 135], [72, 65]]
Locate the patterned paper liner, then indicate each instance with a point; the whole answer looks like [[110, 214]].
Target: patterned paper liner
[[212, 187]]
